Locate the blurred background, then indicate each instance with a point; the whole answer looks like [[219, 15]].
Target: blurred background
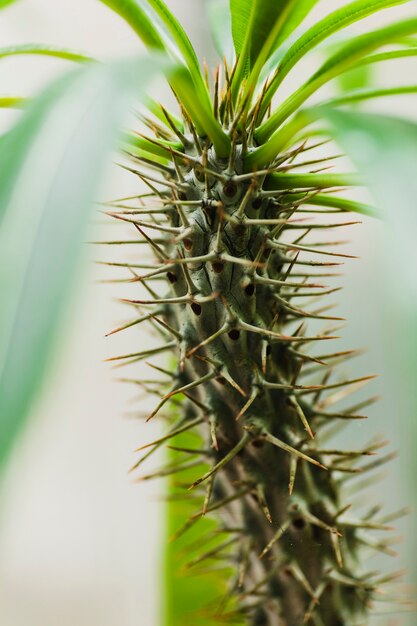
[[80, 541]]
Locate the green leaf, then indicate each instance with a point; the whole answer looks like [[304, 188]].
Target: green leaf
[[258, 27], [180, 37], [139, 20], [218, 12], [389, 56], [240, 11], [12, 102], [184, 81], [369, 94], [384, 150], [186, 595], [336, 21], [335, 202], [346, 58], [5, 3], [310, 181], [200, 112], [298, 12], [358, 78], [50, 166], [40, 49], [291, 14], [133, 143]]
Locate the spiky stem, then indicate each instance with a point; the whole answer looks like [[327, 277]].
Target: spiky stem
[[232, 244]]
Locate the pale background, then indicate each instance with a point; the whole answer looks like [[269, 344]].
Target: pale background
[[80, 543]]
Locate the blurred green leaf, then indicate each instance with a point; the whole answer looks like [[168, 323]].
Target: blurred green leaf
[[384, 150], [187, 83], [5, 3], [180, 37], [187, 595], [51, 163], [12, 102], [218, 12], [139, 20], [358, 78], [370, 94], [45, 50]]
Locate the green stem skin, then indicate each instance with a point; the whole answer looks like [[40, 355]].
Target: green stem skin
[[229, 289], [260, 462]]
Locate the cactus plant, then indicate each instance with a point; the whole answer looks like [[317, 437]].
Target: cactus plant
[[237, 216]]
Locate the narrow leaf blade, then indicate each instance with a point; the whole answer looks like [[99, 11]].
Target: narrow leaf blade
[[53, 160]]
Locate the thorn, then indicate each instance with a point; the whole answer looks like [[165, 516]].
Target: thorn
[[228, 457], [281, 530], [210, 484], [191, 385], [286, 447], [293, 473], [213, 425], [251, 400], [260, 492]]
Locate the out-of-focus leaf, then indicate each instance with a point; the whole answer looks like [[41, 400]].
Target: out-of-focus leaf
[[41, 49], [186, 81], [11, 102], [50, 166], [5, 3], [358, 78], [384, 149], [139, 20], [218, 13], [370, 94], [180, 37], [187, 595]]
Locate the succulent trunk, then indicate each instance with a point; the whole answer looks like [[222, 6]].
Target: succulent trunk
[[232, 250]]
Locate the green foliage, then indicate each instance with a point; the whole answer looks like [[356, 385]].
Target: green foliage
[[187, 83], [6, 3], [384, 149], [346, 58], [186, 596], [259, 24], [336, 21], [259, 27], [218, 13], [239, 212], [48, 179], [139, 20], [43, 50]]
